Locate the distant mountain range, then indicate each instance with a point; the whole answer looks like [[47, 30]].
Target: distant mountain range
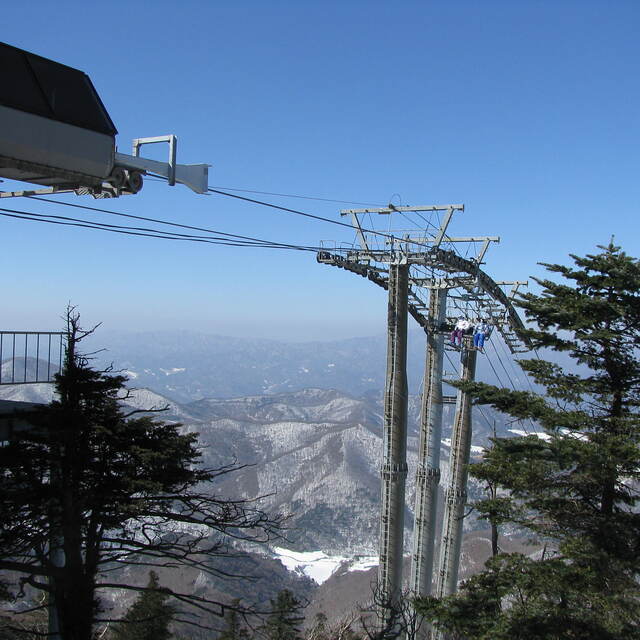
[[189, 366]]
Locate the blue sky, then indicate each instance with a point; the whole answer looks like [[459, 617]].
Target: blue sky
[[526, 112]]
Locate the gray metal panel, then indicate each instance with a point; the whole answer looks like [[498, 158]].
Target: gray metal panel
[[41, 150]]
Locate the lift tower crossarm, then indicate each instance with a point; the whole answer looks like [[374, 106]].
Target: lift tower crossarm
[[392, 209], [427, 240], [515, 285]]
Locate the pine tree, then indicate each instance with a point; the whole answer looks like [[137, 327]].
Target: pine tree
[[233, 629], [150, 615], [575, 489], [284, 621]]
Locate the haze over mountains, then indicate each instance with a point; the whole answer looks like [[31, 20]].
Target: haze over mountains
[[189, 366]]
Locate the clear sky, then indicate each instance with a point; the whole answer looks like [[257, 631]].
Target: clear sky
[[527, 112]]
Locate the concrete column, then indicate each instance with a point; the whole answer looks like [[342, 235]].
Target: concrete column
[[428, 471], [394, 460], [456, 492]]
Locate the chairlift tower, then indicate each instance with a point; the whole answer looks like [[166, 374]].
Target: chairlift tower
[[439, 283], [393, 470]]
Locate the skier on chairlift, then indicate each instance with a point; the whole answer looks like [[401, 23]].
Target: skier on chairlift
[[462, 327], [480, 333]]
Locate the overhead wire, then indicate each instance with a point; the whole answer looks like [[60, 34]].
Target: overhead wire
[[231, 195], [387, 235], [495, 373], [164, 222], [495, 350], [291, 195], [219, 191], [155, 220], [143, 231], [310, 215]]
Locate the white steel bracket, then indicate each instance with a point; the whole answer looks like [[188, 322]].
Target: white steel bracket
[[194, 176]]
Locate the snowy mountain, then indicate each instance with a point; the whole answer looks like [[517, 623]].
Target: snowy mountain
[[313, 453]]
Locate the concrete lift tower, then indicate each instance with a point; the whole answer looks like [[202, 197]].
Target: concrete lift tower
[[55, 132], [427, 278]]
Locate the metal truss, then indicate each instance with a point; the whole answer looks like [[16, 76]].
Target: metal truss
[[434, 262]]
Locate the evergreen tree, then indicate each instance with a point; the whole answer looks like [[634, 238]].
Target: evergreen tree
[[576, 488], [284, 621], [149, 616], [233, 629], [91, 485]]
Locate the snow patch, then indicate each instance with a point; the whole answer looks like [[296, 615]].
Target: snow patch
[[363, 564], [546, 436], [132, 375], [318, 566], [538, 434], [173, 371], [474, 448]]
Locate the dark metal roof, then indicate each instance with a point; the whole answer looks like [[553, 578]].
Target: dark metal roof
[[46, 88]]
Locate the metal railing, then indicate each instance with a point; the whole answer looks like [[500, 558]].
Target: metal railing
[[27, 357]]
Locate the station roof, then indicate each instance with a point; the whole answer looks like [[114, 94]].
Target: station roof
[[37, 85]]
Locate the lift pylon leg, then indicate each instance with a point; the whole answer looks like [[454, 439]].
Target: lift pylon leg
[[456, 492], [428, 471], [394, 462]]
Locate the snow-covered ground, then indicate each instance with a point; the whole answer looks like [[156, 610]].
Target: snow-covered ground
[[318, 565], [474, 449], [538, 434], [546, 436], [172, 371]]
